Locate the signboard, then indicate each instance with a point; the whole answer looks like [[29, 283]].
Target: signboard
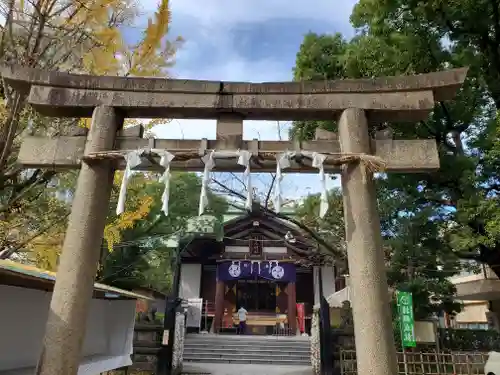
[[406, 319], [194, 308], [301, 317]]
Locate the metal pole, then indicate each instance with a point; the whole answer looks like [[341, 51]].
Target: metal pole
[[326, 337], [322, 344], [172, 302]]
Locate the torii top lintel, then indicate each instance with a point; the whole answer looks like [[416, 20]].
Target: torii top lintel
[[400, 98]]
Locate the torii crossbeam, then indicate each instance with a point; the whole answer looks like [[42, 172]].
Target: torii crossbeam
[[356, 104]]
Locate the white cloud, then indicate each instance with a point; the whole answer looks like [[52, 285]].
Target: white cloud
[[215, 51], [227, 12], [198, 129]]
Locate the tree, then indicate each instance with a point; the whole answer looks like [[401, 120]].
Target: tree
[[462, 33], [331, 227], [417, 256], [43, 34], [141, 256], [431, 200]]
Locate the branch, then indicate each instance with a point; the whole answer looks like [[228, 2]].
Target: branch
[[228, 190], [239, 180], [268, 196], [312, 233], [468, 255], [7, 253], [9, 129], [27, 186]]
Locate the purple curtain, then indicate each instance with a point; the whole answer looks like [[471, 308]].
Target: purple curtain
[[246, 269]]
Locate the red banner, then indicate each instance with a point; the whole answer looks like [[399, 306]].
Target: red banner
[[301, 317]]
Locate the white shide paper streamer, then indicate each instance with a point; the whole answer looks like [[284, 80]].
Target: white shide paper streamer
[[165, 159], [133, 159], [317, 162], [244, 160], [282, 162], [209, 165]]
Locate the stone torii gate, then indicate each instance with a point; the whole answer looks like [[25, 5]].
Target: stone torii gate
[[108, 100]]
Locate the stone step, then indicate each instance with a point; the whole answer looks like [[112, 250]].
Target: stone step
[[261, 351], [194, 336], [244, 346], [244, 360], [294, 351], [253, 342], [269, 356]]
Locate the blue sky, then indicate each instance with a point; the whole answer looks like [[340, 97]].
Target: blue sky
[[246, 40]]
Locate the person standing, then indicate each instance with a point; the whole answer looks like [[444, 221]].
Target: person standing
[[242, 317]]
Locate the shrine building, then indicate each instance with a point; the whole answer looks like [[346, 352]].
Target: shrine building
[[259, 262]]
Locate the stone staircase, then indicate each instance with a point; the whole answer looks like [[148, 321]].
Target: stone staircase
[[263, 350]]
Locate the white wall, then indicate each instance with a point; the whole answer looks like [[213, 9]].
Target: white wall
[[237, 249], [473, 312], [23, 315], [265, 249], [190, 281], [328, 276], [275, 249]]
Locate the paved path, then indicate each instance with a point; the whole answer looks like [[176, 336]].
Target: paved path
[[239, 369]]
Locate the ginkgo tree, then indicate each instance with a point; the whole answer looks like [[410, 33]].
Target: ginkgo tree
[[78, 36], [136, 252]]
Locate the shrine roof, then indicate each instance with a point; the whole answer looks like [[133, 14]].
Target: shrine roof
[[260, 218], [26, 276]]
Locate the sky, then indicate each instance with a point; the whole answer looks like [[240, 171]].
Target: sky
[[246, 40]]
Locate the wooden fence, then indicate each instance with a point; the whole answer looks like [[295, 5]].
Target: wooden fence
[[426, 363]]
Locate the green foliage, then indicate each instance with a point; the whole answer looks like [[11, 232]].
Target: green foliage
[[143, 255], [331, 227], [418, 258], [469, 340], [428, 219], [31, 207]]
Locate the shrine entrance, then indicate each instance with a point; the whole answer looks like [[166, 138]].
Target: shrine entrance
[[266, 289], [267, 303], [257, 295], [358, 106]]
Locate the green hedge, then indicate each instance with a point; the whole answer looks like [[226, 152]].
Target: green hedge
[[469, 340]]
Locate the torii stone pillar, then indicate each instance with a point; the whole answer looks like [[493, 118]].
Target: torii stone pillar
[[61, 352], [375, 348]]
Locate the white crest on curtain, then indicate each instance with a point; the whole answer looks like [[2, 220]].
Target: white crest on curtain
[[244, 160], [282, 162], [209, 165], [317, 162], [165, 159], [133, 159], [271, 262]]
